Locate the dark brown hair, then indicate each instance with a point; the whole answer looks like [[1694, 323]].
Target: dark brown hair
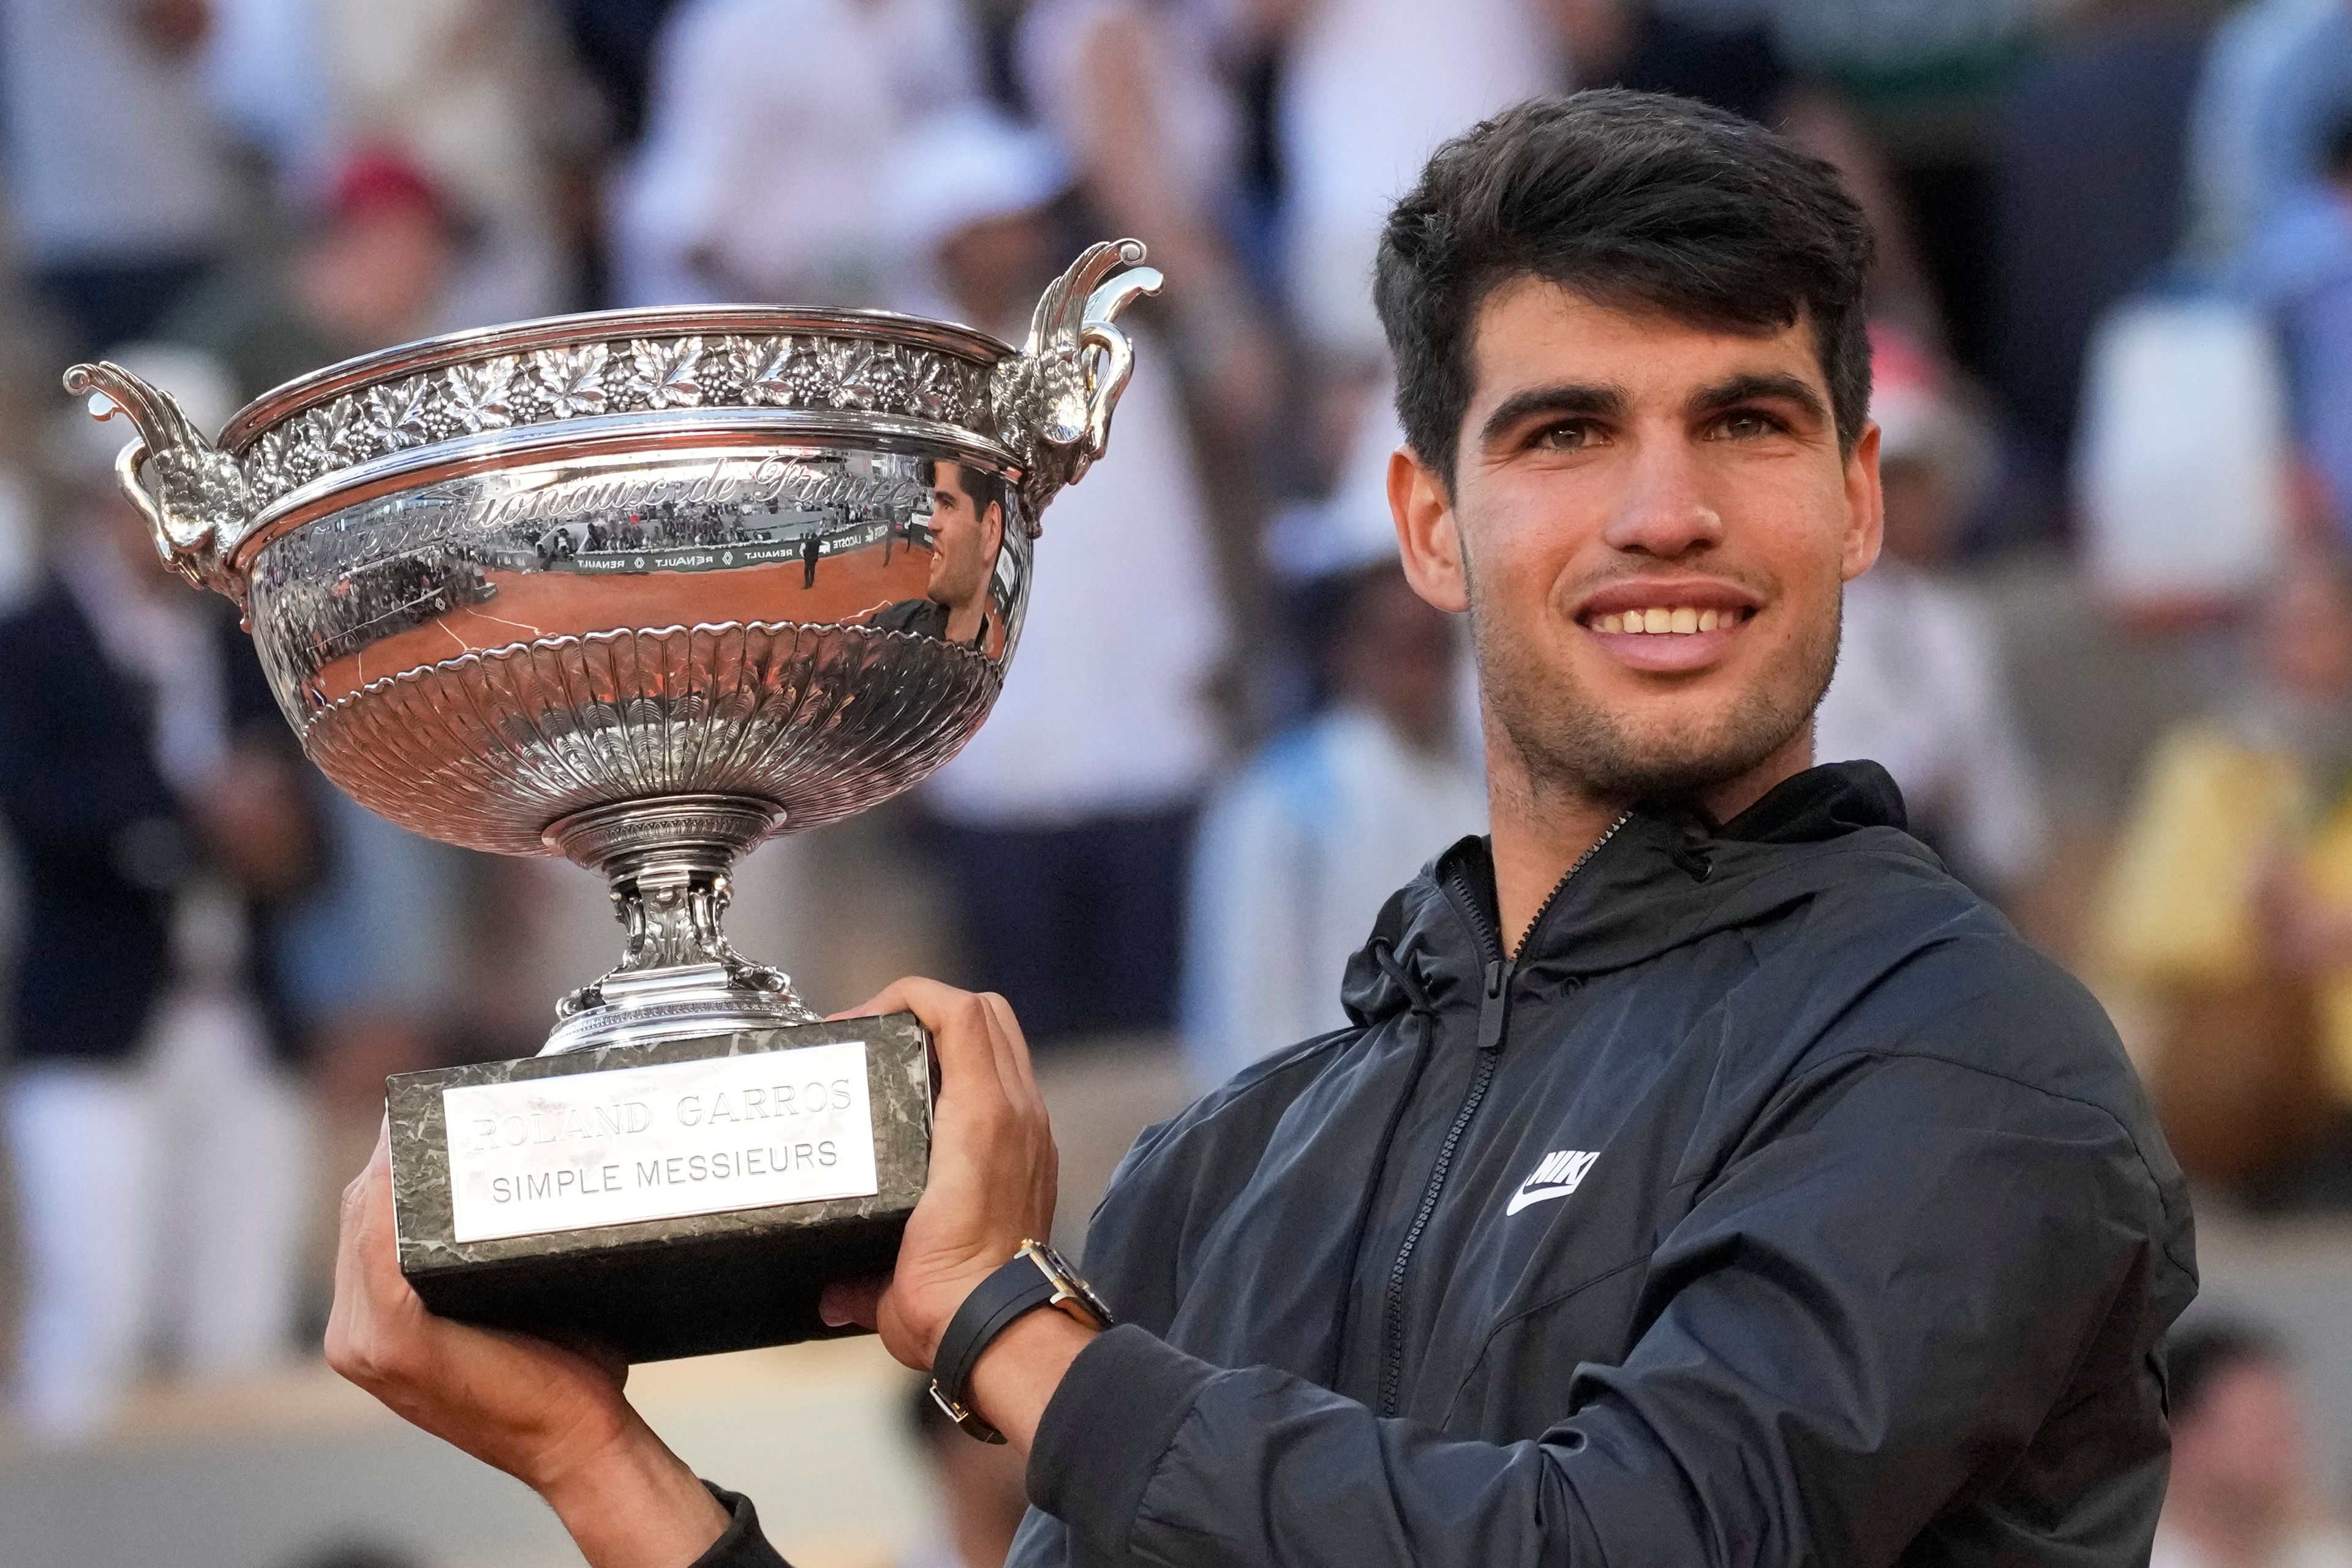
[[1627, 199]]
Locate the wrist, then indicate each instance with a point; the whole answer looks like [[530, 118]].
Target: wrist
[[632, 1503]]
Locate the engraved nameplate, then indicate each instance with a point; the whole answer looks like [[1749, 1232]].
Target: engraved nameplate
[[626, 1145]]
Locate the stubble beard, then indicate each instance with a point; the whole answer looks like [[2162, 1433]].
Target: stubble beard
[[1571, 746]]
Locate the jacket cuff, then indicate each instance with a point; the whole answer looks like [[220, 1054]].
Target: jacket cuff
[[1104, 1431], [742, 1546]]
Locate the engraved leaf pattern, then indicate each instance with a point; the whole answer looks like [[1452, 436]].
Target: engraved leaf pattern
[[267, 477], [481, 396], [338, 433], [842, 366], [940, 390], [397, 414], [885, 380], [668, 374], [572, 379], [768, 379]]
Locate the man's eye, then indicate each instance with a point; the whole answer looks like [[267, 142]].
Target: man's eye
[[1568, 438], [1746, 423]]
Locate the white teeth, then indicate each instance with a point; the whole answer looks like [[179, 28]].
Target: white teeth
[[1671, 619]]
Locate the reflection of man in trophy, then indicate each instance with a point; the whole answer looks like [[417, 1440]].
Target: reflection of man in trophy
[[967, 526], [1702, 1176]]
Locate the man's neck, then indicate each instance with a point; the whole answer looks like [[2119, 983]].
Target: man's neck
[[964, 622], [1539, 828]]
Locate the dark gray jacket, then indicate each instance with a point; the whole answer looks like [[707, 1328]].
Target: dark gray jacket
[[1777, 1206]]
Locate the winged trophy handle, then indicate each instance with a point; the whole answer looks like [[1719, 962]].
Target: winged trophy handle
[[196, 507], [1052, 402]]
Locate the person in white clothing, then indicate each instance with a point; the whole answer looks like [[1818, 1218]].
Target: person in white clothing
[[771, 132], [157, 1142], [1368, 87], [1919, 687], [1065, 820], [1298, 849]]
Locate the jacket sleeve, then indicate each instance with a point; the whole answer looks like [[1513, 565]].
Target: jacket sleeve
[[1872, 1308], [742, 1546]]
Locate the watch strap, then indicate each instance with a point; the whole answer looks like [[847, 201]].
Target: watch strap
[[1018, 1286]]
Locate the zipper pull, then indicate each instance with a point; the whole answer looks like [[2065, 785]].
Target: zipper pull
[[1495, 1006]]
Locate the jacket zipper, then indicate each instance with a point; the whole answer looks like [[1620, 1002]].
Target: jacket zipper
[[1493, 1015]]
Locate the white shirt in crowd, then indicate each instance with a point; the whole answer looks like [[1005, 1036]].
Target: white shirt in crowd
[[770, 137], [111, 156], [1919, 688], [1195, 112], [1369, 89], [1105, 710], [1297, 854]]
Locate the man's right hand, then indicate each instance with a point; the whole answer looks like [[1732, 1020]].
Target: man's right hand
[[551, 1417]]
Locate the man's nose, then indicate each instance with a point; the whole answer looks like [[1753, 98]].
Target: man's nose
[[1666, 511]]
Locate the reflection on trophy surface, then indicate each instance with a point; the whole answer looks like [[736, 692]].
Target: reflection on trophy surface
[[644, 588]]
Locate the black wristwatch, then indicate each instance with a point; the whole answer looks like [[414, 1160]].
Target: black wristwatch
[[1036, 1277]]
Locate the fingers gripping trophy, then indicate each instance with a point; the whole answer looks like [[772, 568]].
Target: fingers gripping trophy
[[644, 588]]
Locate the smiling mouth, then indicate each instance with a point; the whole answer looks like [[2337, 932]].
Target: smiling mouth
[[1668, 620]]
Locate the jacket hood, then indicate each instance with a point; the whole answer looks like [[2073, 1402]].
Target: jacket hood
[[1665, 877]]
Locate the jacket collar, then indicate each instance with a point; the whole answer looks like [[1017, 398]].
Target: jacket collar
[[1666, 878]]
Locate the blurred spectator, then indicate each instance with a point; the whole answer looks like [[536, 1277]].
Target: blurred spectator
[[2242, 1492], [2089, 198], [2184, 461], [1927, 78], [2297, 270], [1066, 819], [615, 41], [764, 174], [266, 81], [1736, 63], [2227, 910], [1298, 850], [1919, 685], [979, 1487], [1367, 89], [1131, 90], [374, 270], [1636, 44], [2277, 81], [118, 194], [482, 95], [157, 1140]]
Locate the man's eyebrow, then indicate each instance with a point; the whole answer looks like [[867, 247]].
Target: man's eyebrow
[[1758, 386], [1570, 398]]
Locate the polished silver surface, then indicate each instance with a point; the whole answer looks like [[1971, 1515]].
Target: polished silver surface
[[642, 588]]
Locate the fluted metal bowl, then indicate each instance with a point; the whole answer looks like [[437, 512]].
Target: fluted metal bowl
[[561, 586]]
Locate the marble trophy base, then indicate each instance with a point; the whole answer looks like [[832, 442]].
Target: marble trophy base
[[669, 1199]]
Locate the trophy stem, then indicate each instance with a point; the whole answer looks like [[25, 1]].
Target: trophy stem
[[670, 862]]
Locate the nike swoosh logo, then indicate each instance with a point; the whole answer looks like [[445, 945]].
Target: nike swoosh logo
[[1527, 1195]]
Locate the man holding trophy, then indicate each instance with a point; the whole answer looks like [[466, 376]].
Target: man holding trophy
[[1704, 1177]]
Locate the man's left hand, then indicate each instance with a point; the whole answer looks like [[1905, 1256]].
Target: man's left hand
[[992, 1171]]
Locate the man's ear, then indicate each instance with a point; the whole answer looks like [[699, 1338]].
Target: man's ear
[[992, 530], [1427, 540], [1865, 505]]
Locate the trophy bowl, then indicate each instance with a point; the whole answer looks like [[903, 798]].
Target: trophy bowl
[[642, 588]]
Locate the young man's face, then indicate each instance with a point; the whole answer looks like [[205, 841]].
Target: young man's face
[[966, 537], [1651, 524]]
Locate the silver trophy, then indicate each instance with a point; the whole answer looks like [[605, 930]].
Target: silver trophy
[[641, 588]]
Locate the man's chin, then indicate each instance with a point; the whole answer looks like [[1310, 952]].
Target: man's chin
[[1682, 756]]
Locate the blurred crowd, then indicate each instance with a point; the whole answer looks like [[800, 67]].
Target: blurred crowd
[[2107, 655]]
